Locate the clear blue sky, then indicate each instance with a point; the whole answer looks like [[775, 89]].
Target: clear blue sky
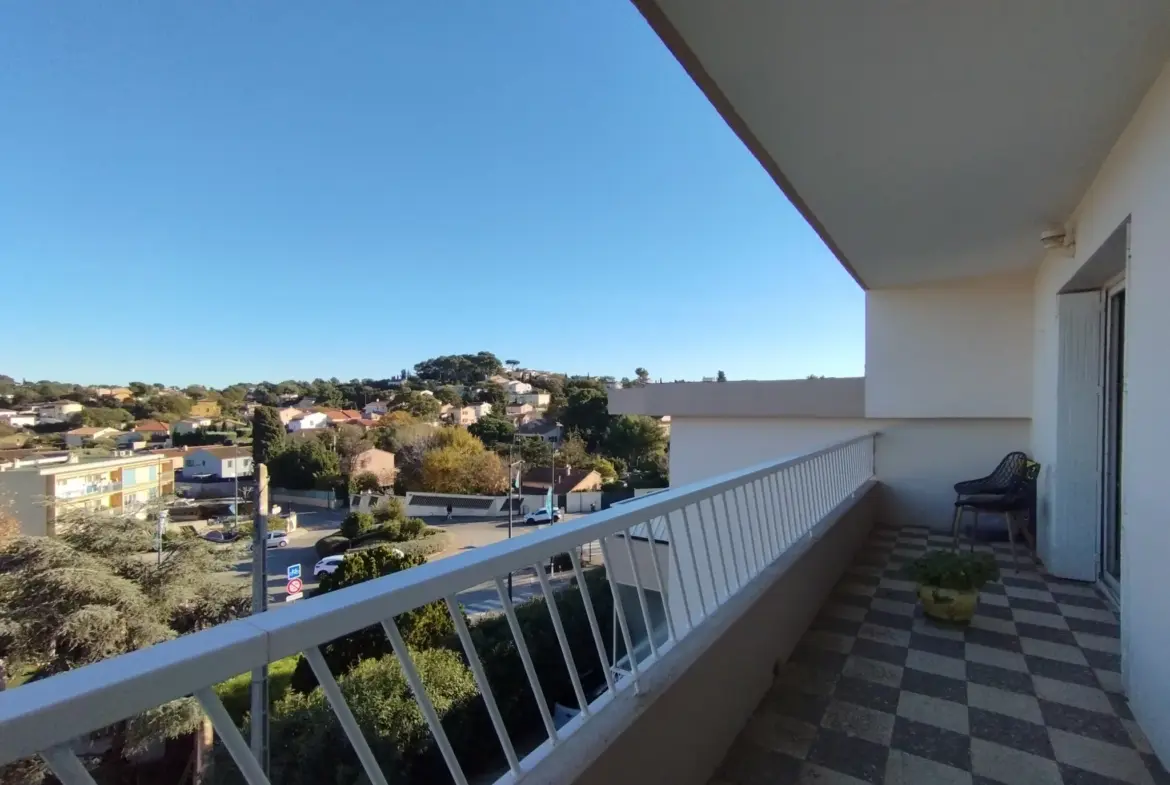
[[226, 191]]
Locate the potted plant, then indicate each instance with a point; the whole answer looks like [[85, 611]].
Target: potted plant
[[949, 582]]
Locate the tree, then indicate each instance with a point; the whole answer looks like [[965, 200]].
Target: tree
[[350, 441], [92, 593], [512, 365], [195, 391], [635, 439], [139, 389], [574, 453], [555, 387], [458, 368], [721, 377], [303, 464], [416, 404], [267, 433], [455, 470], [102, 417], [493, 430], [535, 452], [165, 407], [496, 395], [643, 376], [449, 395], [356, 523], [587, 413]]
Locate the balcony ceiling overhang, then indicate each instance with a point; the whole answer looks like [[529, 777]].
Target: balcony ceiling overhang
[[924, 140]]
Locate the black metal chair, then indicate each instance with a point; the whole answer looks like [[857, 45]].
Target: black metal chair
[[1015, 500], [995, 484]]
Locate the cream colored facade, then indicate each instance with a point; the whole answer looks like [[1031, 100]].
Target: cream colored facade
[[40, 495]]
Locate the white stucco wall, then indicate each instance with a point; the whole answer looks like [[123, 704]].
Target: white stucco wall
[[1133, 182], [960, 350], [918, 461]]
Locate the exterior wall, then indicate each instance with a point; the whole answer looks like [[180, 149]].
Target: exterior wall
[[1134, 182], [22, 494], [779, 398], [310, 421], [918, 461], [205, 462], [380, 462], [680, 733], [961, 350]]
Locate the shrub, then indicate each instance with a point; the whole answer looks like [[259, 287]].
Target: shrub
[[424, 627], [387, 532], [562, 563], [333, 544], [356, 523], [412, 528], [310, 748], [390, 510], [951, 570], [433, 541], [364, 481]]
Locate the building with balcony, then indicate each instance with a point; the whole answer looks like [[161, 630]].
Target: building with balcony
[[996, 178], [40, 495]]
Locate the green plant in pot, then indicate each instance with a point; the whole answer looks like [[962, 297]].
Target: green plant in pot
[[949, 582]]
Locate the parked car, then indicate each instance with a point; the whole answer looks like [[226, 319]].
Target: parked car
[[328, 565], [276, 540], [543, 516], [219, 536]]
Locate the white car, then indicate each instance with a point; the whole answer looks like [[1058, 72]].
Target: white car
[[328, 565], [543, 516], [276, 540]]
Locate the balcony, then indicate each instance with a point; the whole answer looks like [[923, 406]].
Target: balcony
[[713, 586], [89, 490]]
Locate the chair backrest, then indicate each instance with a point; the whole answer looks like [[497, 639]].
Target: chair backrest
[[1008, 470], [1025, 478]]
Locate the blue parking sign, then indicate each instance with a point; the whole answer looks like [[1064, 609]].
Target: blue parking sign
[[293, 571]]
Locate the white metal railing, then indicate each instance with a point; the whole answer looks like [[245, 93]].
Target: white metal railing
[[734, 528]]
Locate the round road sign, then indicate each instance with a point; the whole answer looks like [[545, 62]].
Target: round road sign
[[294, 586]]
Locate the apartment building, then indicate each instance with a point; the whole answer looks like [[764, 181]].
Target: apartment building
[[40, 495]]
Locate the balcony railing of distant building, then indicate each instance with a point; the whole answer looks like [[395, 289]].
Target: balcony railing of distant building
[[724, 534]]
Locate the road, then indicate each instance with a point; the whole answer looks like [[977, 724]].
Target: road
[[313, 524]]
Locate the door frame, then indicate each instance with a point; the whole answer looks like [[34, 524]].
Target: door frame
[[1112, 430]]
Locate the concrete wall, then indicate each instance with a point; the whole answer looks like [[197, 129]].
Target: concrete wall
[[843, 397], [918, 461], [961, 350], [683, 731], [1134, 183]]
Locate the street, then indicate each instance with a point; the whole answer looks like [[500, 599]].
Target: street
[[466, 534]]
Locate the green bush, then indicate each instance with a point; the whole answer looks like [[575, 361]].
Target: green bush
[[387, 532], [390, 510], [412, 528], [433, 541], [364, 481], [951, 570], [425, 627], [310, 748], [356, 523], [333, 544]]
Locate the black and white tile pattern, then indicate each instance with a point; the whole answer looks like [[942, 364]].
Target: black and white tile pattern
[[1028, 693]]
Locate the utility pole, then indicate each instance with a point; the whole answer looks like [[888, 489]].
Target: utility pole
[[259, 605], [511, 483]]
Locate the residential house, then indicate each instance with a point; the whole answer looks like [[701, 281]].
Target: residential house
[[153, 430], [222, 462], [40, 496], [308, 421], [333, 416], [480, 409], [121, 394], [58, 411], [190, 425], [205, 407], [525, 417], [305, 404], [564, 480], [537, 399], [288, 414], [172, 457], [363, 423], [516, 409], [131, 440], [515, 387], [81, 437], [18, 419], [549, 430], [375, 409], [462, 415], [379, 462]]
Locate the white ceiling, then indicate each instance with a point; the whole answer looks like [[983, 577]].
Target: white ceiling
[[925, 139]]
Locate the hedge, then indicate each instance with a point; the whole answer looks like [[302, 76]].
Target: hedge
[[331, 545]]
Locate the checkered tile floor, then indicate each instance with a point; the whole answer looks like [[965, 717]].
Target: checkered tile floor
[[1029, 693]]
